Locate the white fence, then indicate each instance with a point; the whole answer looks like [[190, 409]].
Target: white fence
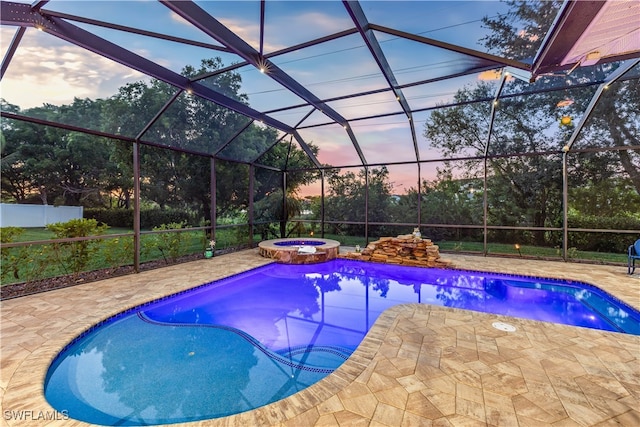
[[12, 215]]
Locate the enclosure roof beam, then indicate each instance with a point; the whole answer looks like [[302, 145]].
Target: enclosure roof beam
[[11, 50], [255, 159], [306, 149], [133, 30], [12, 13], [311, 110], [202, 20], [497, 60], [262, 7], [72, 128], [159, 114], [38, 4], [230, 140], [492, 116], [611, 78], [282, 51], [362, 24]]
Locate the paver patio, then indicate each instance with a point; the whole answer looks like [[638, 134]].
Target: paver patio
[[420, 365]]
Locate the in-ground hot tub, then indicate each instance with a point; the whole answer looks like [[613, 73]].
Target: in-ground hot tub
[[299, 250]]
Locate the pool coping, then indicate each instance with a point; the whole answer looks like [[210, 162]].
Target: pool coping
[[291, 254], [355, 390]]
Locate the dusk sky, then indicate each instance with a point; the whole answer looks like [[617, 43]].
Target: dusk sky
[[46, 69]]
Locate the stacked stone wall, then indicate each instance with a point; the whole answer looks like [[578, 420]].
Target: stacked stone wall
[[404, 249]]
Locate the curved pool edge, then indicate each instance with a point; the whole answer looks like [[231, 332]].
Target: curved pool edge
[[23, 389], [380, 352], [363, 376]]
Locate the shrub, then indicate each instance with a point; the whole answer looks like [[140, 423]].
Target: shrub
[[122, 218], [75, 256], [149, 218], [118, 251], [170, 243], [597, 241], [11, 257]]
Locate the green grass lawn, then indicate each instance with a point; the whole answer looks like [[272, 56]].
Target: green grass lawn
[[532, 251], [36, 262], [37, 234], [504, 249]]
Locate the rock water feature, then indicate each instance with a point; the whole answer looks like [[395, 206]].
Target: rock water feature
[[406, 249]]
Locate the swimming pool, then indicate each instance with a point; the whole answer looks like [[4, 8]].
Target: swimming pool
[[262, 335]]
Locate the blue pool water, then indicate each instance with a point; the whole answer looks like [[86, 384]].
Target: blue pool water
[[257, 337]]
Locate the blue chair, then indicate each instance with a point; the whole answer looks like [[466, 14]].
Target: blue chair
[[634, 254]]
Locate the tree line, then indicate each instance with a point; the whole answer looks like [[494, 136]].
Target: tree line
[[48, 165]]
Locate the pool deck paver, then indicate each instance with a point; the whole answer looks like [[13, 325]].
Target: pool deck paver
[[420, 365]]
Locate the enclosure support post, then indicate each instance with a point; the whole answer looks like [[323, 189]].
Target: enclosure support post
[[251, 214], [419, 196], [485, 197], [611, 78], [213, 205], [285, 214], [485, 201], [136, 207], [565, 203], [322, 203], [366, 205]]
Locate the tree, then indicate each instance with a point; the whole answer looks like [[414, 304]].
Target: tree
[[518, 33], [52, 165], [347, 197], [615, 121], [606, 198], [272, 208], [169, 178], [268, 196], [176, 179], [525, 186], [14, 188], [75, 168], [523, 190]]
